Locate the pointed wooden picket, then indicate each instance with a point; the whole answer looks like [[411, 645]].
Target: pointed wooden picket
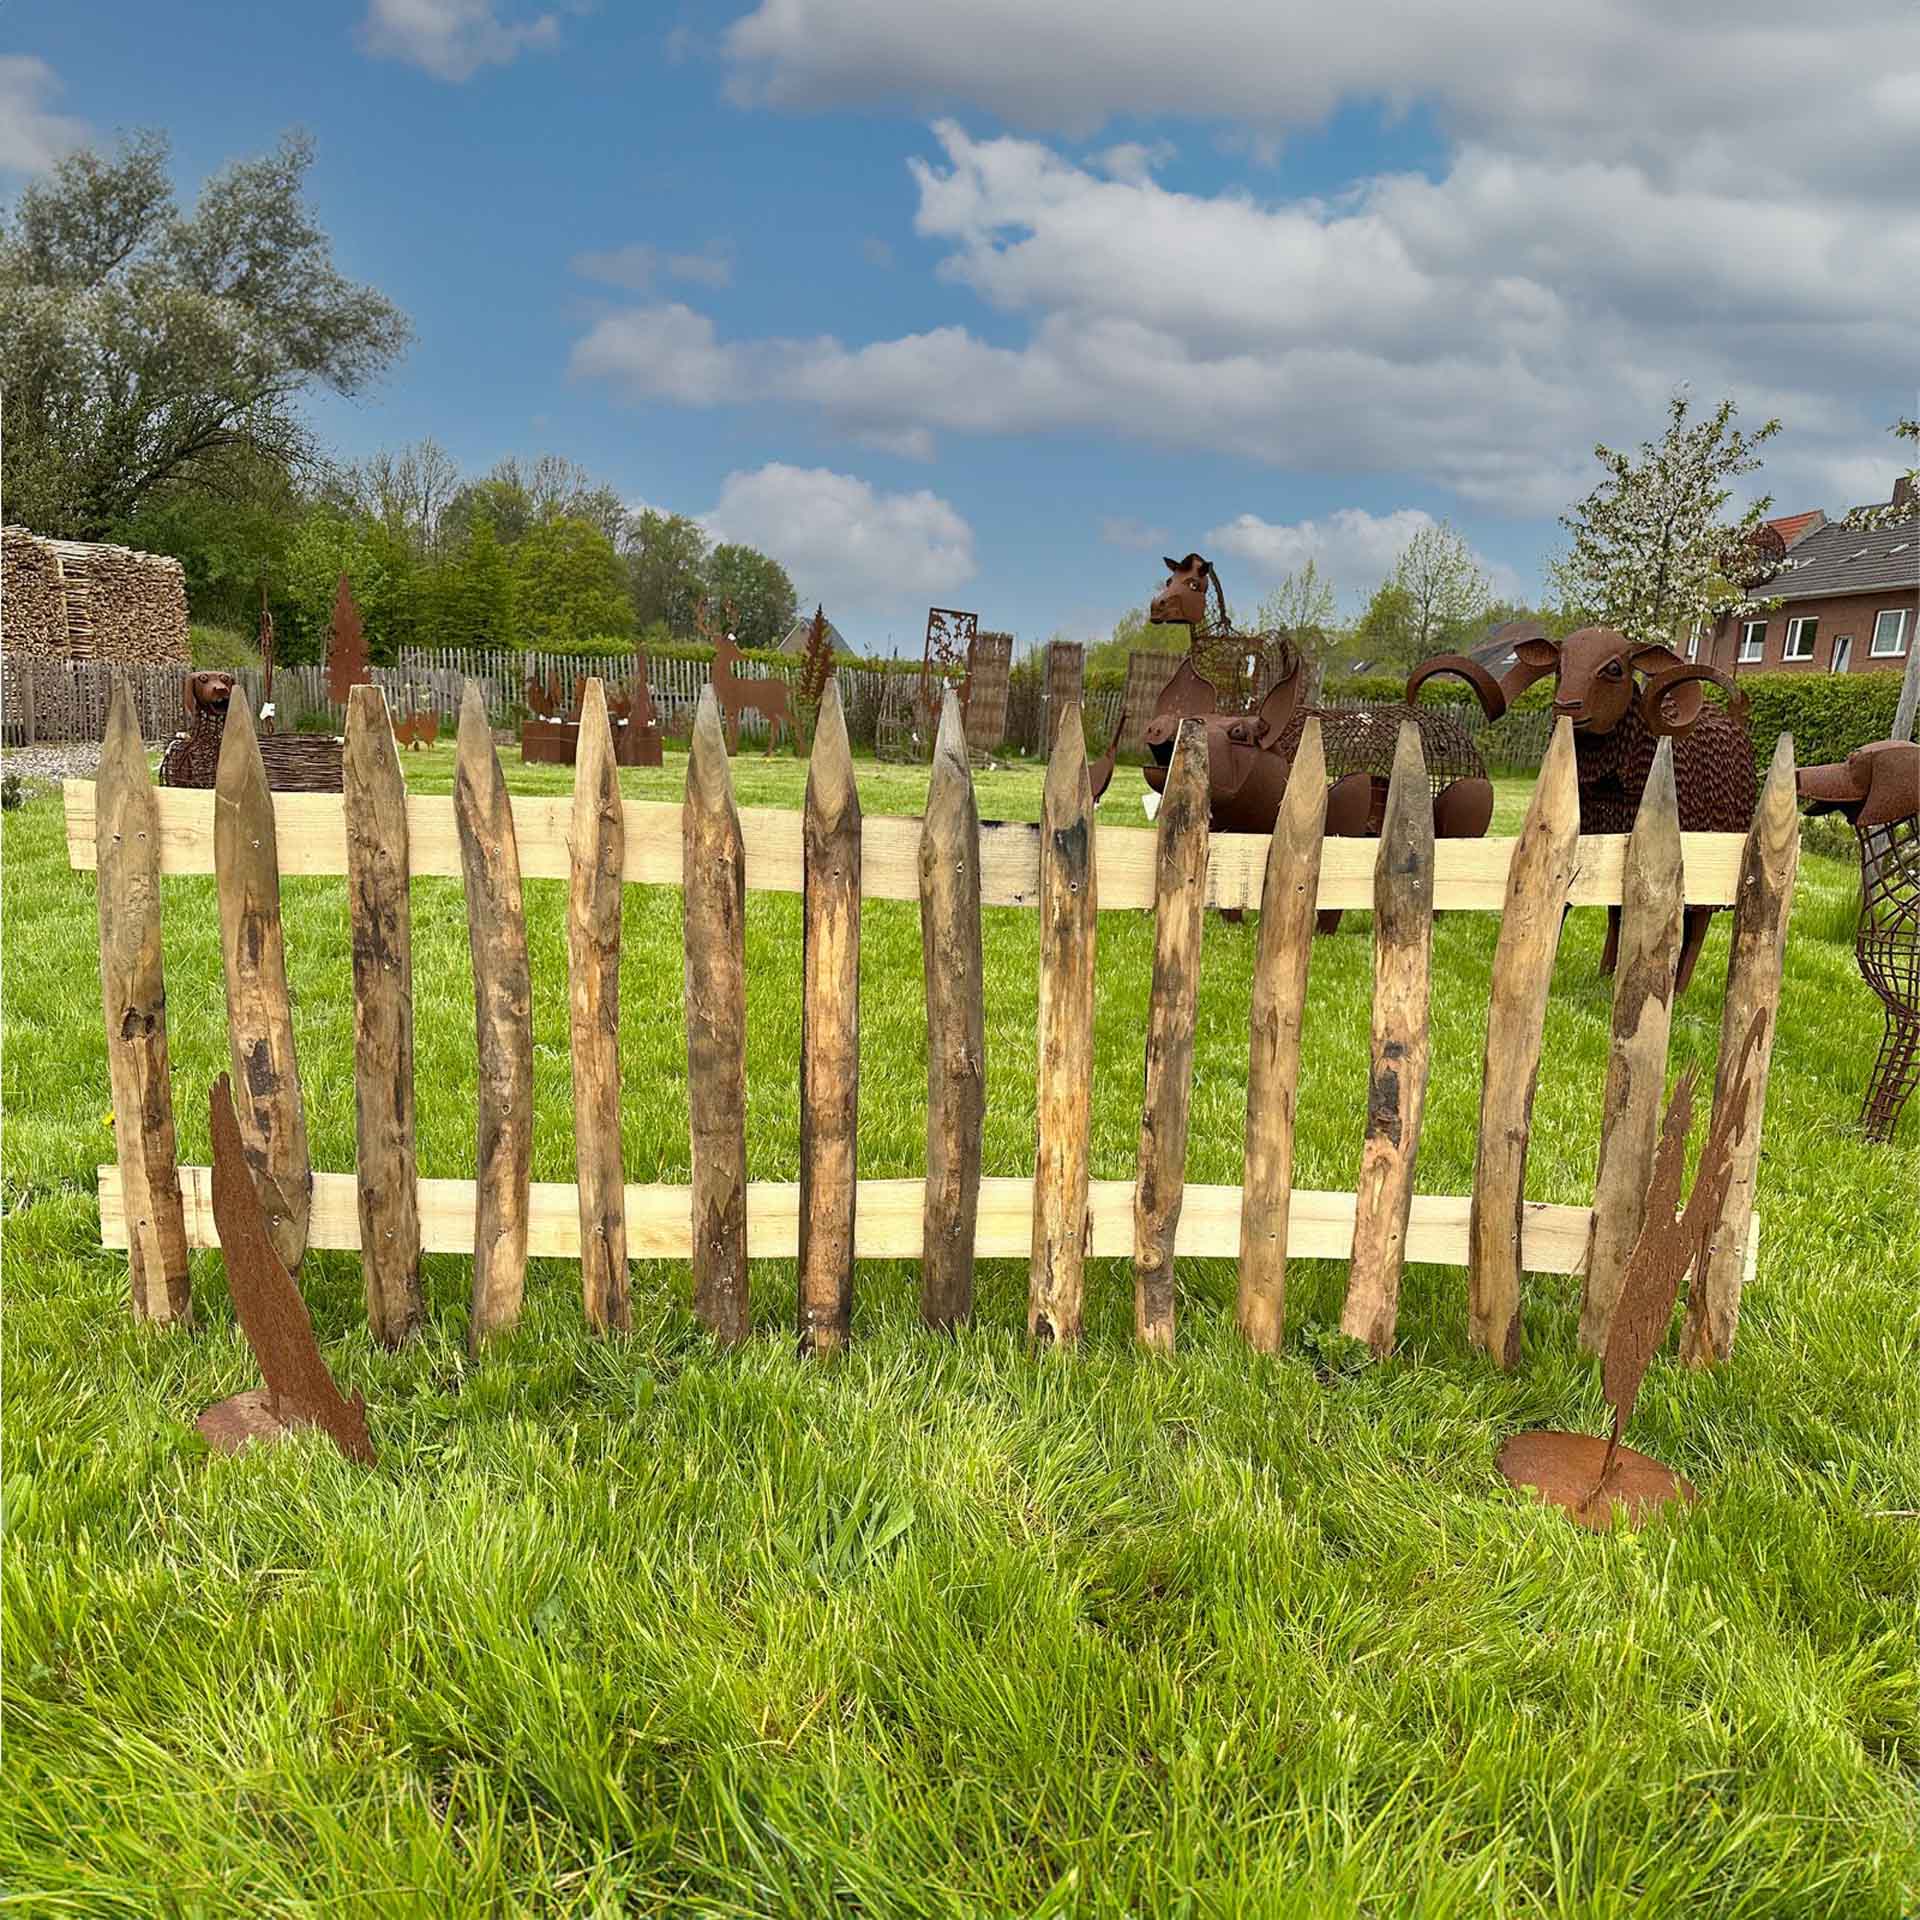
[[380, 919], [598, 848], [1273, 1069]]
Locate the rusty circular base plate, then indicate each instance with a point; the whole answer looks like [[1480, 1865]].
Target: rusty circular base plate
[[1562, 1468], [228, 1425]]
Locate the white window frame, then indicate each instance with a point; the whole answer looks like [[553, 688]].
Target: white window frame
[[1804, 623], [1840, 658], [1753, 642], [1897, 651]]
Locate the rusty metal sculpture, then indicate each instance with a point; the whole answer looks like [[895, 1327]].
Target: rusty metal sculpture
[[1592, 1479], [1877, 789], [419, 729], [295, 762], [551, 737], [1617, 725], [346, 647], [299, 1390], [948, 652]]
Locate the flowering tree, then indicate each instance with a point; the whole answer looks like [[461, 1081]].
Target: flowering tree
[[1442, 590], [1655, 551]]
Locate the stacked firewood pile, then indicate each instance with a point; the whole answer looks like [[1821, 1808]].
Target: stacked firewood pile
[[75, 600]]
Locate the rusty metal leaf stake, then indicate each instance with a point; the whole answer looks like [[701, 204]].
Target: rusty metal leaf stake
[[299, 1390], [1594, 1479]]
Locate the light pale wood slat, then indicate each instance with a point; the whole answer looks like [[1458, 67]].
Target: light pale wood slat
[[889, 1221], [1468, 874], [593, 1004]]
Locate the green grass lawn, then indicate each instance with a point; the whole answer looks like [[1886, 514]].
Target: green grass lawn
[[947, 1627]]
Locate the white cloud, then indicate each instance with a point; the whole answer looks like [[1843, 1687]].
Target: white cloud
[[1136, 536], [1351, 548], [860, 550], [451, 39], [31, 137], [635, 267]]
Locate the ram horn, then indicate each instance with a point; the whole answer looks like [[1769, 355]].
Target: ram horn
[[1653, 701]]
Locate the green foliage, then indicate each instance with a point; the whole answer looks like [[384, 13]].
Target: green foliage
[[1828, 714], [667, 566], [758, 590], [225, 648], [228, 541], [568, 585], [1303, 604], [1441, 595], [1385, 629], [13, 792], [387, 585], [470, 591]]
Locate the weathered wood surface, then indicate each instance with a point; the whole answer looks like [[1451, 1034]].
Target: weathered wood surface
[[1538, 883], [1179, 918], [593, 1000], [713, 876], [1280, 965], [829, 1034], [1754, 966], [1469, 875], [1400, 1048], [1650, 927], [1064, 1088], [889, 1221], [954, 966], [380, 918], [503, 1022], [133, 997], [266, 1075]]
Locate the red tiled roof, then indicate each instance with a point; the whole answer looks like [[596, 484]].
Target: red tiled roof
[[1793, 525]]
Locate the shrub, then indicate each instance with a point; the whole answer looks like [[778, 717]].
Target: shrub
[[1828, 714], [13, 792]]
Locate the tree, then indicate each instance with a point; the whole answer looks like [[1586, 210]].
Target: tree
[[410, 491], [759, 589], [471, 592], [1655, 551], [144, 351], [667, 568], [1132, 633], [387, 583], [1303, 603], [1383, 635], [568, 586], [1444, 591]]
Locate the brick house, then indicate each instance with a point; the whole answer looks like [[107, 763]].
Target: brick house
[[1850, 603]]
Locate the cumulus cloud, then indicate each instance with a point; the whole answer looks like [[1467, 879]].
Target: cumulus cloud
[[32, 137], [451, 39], [1136, 536], [845, 542], [636, 267], [1350, 547]]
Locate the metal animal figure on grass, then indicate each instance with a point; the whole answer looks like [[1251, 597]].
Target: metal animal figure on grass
[[737, 693], [1877, 788], [1617, 725], [295, 762]]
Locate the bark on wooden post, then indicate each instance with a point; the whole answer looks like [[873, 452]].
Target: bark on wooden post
[[1397, 1077], [1765, 899], [829, 1032], [1064, 1093], [954, 966], [266, 1076], [1537, 886], [1179, 914], [597, 847], [714, 882], [133, 997], [1273, 1068], [503, 1019], [1652, 910], [379, 913]]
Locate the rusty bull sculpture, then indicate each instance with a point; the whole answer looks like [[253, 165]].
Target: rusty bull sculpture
[[1877, 789], [1617, 726]]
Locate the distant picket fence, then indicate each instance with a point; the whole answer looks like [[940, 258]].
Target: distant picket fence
[[1066, 869]]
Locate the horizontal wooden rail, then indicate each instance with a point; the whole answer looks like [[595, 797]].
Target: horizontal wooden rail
[[1468, 874], [888, 1221]]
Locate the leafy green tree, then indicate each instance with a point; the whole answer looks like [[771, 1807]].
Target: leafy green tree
[[1444, 594], [472, 592], [1132, 633], [759, 591], [387, 585], [667, 569], [145, 350], [1384, 633], [229, 542], [1303, 603], [568, 586]]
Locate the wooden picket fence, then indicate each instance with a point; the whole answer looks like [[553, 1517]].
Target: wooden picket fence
[[1067, 870]]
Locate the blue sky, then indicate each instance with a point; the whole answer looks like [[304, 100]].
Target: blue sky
[[991, 305]]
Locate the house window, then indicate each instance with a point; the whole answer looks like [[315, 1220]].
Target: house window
[[1800, 638], [1842, 652], [1890, 633], [1753, 642]]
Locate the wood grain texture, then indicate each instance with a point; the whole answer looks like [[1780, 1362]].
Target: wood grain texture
[[1064, 1090], [133, 997], [1179, 919], [1280, 965], [503, 1023], [593, 1003], [266, 1075], [1754, 966], [1469, 875], [1650, 927], [953, 962], [889, 1221], [829, 1034], [1400, 1048], [714, 879], [1538, 883], [380, 920]]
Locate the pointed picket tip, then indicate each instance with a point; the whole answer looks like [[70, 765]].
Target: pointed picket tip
[[831, 791], [1408, 800], [476, 732], [239, 747], [369, 729], [950, 743], [1187, 771], [1777, 793], [593, 709], [1661, 797], [121, 737], [1068, 785], [1308, 777], [708, 775], [1559, 781]]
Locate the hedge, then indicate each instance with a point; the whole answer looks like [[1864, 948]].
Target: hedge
[[1828, 714]]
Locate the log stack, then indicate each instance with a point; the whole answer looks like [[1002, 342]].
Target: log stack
[[78, 600]]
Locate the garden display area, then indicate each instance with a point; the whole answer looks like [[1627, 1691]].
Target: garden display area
[[946, 1624]]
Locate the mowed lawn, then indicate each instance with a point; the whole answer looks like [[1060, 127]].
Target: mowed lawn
[[946, 1627]]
